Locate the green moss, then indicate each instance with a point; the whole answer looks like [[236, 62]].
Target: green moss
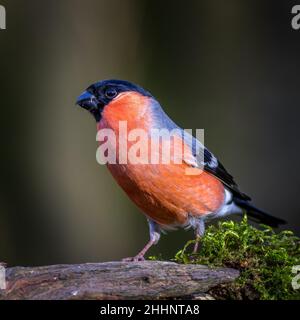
[[264, 258]]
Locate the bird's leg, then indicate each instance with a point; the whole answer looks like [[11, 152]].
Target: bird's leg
[[154, 230], [199, 230], [196, 245]]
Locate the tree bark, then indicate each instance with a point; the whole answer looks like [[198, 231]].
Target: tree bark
[[114, 280]]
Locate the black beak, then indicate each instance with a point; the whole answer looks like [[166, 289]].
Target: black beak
[[89, 102]]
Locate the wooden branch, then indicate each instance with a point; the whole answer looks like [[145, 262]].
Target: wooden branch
[[114, 280]]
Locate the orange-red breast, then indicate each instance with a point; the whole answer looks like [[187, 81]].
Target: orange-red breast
[[166, 194]]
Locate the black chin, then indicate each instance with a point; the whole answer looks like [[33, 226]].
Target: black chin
[[97, 114], [95, 110]]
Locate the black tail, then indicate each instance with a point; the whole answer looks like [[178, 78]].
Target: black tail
[[258, 215]]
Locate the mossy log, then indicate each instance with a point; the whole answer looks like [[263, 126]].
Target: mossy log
[[114, 280]]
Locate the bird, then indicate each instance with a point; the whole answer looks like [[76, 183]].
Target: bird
[[168, 196]]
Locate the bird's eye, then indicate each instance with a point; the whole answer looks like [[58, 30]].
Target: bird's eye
[[111, 93]]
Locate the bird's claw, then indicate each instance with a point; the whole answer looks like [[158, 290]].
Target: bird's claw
[[134, 259]]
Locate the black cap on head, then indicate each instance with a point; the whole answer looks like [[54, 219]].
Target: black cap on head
[[99, 94]]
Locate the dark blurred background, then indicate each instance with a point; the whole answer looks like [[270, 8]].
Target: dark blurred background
[[230, 67]]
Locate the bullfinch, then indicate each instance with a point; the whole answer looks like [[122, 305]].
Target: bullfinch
[[165, 193]]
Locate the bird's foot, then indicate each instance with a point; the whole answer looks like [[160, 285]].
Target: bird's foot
[[141, 254], [134, 259]]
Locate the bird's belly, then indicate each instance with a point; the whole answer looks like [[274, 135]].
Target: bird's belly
[[166, 194]]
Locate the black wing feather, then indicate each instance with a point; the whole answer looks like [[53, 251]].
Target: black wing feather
[[218, 170]]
